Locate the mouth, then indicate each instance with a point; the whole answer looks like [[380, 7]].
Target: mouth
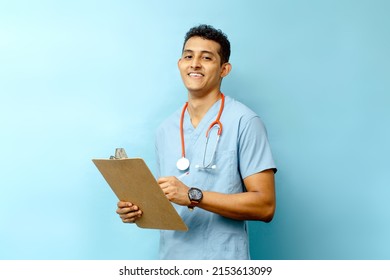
[[195, 75]]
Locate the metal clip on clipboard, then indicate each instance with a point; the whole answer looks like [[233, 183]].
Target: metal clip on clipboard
[[120, 153]]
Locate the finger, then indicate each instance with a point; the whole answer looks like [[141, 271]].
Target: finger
[[125, 210], [129, 221], [165, 190], [164, 185], [122, 204], [131, 217], [162, 180], [168, 182]]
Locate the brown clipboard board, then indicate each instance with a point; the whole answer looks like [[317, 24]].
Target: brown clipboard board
[[131, 180]]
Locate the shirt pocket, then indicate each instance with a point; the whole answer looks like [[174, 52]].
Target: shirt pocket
[[225, 177]]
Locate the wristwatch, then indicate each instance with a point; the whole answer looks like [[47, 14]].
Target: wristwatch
[[195, 195]]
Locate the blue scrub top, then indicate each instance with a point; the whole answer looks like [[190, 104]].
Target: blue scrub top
[[243, 150]]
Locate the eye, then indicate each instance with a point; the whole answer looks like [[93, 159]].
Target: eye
[[207, 58], [187, 57]]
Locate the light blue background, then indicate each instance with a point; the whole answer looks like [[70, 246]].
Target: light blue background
[[80, 78]]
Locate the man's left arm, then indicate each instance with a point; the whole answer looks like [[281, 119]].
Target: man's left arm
[[257, 203]]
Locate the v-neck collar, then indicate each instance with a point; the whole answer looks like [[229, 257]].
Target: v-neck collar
[[209, 117], [192, 134]]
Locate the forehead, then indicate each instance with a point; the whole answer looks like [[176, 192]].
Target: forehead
[[199, 44]]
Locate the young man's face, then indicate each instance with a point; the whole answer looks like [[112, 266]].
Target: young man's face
[[200, 66]]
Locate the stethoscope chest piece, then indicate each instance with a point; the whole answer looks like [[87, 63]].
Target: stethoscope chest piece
[[183, 164]]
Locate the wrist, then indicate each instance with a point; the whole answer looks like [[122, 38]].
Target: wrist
[[195, 196]]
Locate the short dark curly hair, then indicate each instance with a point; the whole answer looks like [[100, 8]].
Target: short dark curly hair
[[210, 33]]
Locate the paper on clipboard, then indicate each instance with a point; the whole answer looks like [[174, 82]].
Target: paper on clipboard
[[131, 180]]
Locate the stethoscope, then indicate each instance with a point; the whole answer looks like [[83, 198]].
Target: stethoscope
[[183, 163]]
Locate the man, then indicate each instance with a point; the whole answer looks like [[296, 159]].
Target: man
[[219, 150]]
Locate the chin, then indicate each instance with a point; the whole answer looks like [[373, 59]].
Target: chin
[[194, 89]]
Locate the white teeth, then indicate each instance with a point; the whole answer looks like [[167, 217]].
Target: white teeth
[[195, 75]]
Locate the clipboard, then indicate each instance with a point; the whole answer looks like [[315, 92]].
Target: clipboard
[[131, 180]]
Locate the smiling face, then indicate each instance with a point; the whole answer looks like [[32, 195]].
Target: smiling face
[[200, 66]]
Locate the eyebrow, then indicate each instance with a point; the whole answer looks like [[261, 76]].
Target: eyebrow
[[203, 51]]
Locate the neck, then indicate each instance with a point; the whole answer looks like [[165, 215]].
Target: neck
[[199, 105]]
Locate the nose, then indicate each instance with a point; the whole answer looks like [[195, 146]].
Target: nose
[[195, 63]]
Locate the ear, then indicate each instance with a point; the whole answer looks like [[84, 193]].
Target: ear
[[178, 63], [225, 69]]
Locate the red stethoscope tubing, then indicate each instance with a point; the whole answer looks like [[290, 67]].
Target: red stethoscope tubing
[[216, 122]]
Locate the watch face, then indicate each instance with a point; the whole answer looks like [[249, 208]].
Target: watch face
[[195, 194]]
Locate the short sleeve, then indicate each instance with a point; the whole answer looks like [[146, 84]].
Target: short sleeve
[[254, 149]]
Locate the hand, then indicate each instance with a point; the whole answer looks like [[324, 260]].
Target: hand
[[128, 212], [174, 190]]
